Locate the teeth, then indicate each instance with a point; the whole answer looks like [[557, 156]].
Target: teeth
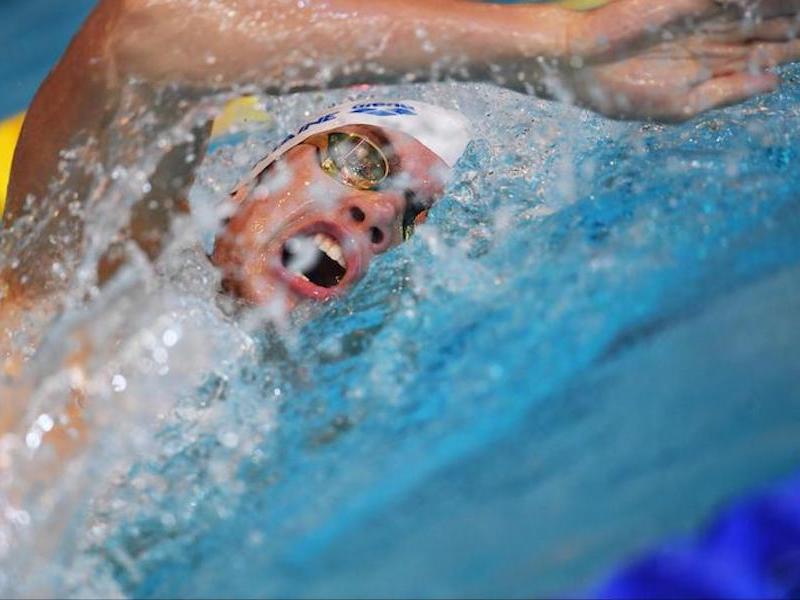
[[331, 247]]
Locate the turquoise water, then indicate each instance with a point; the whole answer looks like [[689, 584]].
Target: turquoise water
[[33, 34], [589, 349]]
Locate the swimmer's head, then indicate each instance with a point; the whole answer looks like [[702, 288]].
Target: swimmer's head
[[347, 186]]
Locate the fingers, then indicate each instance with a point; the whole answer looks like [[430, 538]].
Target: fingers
[[726, 90], [627, 24], [777, 29], [772, 55], [774, 8], [761, 8], [719, 59], [733, 80], [623, 23]]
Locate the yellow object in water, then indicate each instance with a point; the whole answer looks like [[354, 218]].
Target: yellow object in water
[[246, 110], [9, 132]]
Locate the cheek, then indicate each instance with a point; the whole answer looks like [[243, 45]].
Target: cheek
[[428, 171], [255, 223], [228, 255], [239, 238], [243, 265], [428, 185]]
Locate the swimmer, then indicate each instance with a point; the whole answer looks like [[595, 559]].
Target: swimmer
[[347, 186], [313, 214]]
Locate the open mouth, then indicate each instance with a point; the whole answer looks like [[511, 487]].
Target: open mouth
[[318, 259]]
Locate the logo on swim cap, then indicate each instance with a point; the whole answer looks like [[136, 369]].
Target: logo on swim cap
[[384, 109]]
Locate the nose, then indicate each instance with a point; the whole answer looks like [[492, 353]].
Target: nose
[[377, 217]]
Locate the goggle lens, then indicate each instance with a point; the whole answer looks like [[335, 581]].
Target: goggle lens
[[355, 161]]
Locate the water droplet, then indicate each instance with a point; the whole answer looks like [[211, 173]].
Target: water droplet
[[229, 439], [33, 440], [45, 423], [170, 338], [161, 356], [119, 383]]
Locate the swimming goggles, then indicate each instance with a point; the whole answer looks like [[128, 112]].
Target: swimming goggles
[[356, 161]]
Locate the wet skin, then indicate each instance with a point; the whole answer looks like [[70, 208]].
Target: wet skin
[[295, 199]]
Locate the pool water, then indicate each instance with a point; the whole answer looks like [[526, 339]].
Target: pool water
[[590, 347], [33, 34]]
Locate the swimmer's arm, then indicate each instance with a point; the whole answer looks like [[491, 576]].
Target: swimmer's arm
[[281, 45], [615, 59], [82, 104], [271, 45], [202, 47], [76, 99], [196, 47]]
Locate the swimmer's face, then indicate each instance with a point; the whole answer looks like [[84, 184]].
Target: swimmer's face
[[307, 232]]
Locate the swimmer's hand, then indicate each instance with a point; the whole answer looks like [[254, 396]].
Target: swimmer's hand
[[673, 59]]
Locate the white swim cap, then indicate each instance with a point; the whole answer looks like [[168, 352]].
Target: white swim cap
[[444, 132]]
